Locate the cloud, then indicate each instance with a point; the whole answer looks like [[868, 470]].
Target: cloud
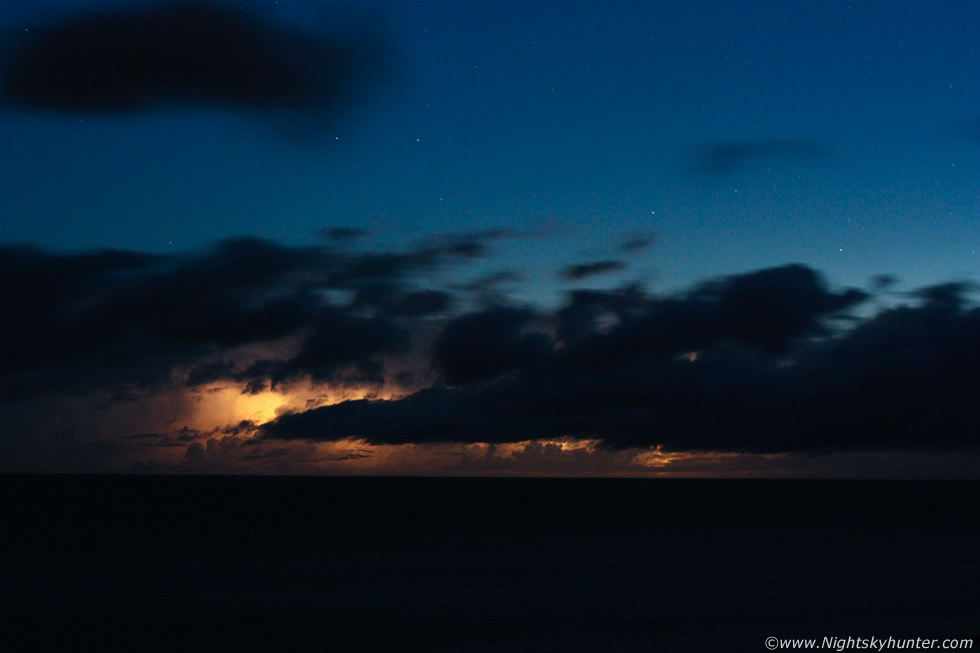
[[272, 454], [339, 339], [110, 320], [184, 53], [724, 158], [488, 344], [586, 270], [760, 362], [884, 282], [492, 288], [392, 300], [123, 358], [764, 310], [638, 242]]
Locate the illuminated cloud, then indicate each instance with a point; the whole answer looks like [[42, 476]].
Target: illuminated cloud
[[262, 357]]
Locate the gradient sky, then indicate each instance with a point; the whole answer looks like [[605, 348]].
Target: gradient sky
[[663, 144]]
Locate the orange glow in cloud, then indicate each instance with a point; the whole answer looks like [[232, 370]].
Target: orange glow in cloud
[[259, 407], [510, 449], [656, 457], [700, 463], [551, 457], [219, 405]]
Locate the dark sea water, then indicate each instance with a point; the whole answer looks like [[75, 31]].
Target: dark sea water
[[180, 563]]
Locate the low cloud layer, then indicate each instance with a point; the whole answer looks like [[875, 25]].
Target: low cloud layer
[[771, 361]]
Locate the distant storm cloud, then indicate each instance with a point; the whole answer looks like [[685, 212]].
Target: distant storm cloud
[[770, 361], [185, 53], [723, 158], [766, 361]]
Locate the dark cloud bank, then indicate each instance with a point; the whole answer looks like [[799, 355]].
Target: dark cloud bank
[[767, 361], [183, 53], [770, 373], [74, 323]]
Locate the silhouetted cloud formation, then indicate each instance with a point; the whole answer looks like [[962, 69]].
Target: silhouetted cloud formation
[[727, 157], [485, 345], [586, 270], [78, 322], [771, 360], [746, 363], [132, 59]]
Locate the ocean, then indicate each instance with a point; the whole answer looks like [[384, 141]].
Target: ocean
[[481, 564]]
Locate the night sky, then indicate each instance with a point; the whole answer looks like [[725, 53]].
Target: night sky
[[596, 238]]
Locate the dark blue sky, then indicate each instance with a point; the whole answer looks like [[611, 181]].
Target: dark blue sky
[[580, 122], [791, 152]]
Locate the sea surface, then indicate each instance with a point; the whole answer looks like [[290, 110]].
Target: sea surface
[[465, 564]]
